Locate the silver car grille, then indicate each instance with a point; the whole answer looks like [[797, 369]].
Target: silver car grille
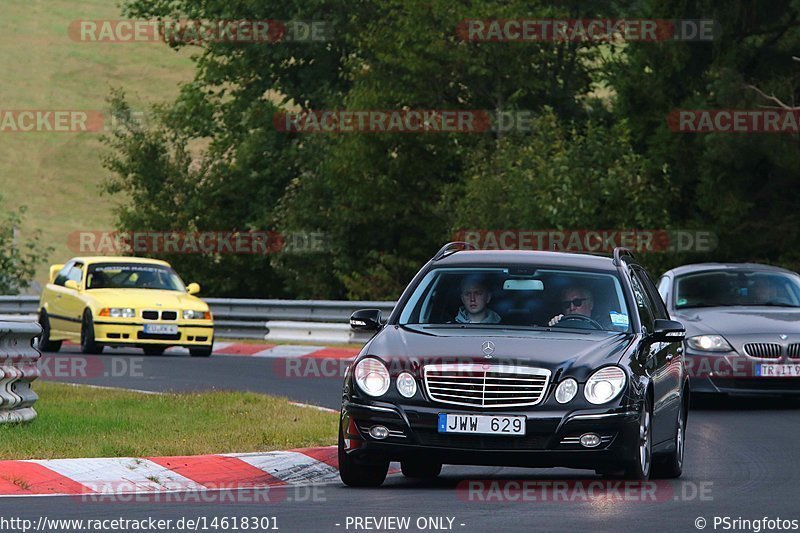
[[794, 351], [484, 385], [763, 350]]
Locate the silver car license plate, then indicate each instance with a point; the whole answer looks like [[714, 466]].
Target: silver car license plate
[[482, 424], [161, 329]]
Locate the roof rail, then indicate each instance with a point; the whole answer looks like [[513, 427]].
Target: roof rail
[[449, 249], [619, 252]]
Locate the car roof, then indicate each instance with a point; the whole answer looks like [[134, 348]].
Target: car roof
[[708, 267], [119, 259], [540, 258]]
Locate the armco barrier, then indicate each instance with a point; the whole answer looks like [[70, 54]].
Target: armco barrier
[[18, 368], [280, 320]]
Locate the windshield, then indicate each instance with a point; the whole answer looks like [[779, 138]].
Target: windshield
[[737, 287], [518, 296], [133, 276]]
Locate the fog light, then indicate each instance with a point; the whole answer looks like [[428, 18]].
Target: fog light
[[381, 432], [590, 440]]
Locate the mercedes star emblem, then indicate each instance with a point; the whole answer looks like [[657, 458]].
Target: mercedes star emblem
[[488, 349]]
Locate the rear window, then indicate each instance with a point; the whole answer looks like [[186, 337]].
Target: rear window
[[519, 296]]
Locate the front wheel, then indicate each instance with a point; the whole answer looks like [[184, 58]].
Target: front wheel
[[88, 343], [638, 467], [360, 475], [45, 344]]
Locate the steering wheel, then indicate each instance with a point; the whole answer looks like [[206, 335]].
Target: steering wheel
[[594, 323]]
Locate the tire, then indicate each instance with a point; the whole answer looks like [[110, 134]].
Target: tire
[[88, 344], [638, 467], [45, 344], [360, 475], [421, 470], [154, 350], [203, 351], [671, 465]]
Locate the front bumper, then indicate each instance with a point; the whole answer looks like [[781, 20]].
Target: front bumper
[[121, 333], [414, 435], [738, 374]]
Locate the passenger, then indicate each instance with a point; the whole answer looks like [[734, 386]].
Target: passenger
[[574, 301], [475, 297]]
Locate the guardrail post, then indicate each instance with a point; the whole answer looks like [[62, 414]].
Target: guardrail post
[[18, 368]]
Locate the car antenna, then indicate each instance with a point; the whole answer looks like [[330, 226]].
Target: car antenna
[[451, 248]]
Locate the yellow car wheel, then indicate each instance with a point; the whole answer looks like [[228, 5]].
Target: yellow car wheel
[[88, 344]]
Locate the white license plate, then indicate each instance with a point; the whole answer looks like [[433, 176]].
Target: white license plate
[[161, 329], [482, 424], [776, 370]]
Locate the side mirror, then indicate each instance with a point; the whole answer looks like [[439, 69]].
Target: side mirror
[[54, 270], [366, 320], [193, 288], [668, 331], [72, 284]]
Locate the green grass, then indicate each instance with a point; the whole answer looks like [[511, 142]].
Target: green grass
[[76, 421], [57, 174]]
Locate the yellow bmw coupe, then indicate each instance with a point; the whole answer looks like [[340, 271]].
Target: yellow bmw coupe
[[123, 301]]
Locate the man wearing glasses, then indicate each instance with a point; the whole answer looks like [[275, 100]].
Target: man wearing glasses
[[574, 301]]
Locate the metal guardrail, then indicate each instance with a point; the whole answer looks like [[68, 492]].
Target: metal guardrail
[[18, 368], [281, 320]]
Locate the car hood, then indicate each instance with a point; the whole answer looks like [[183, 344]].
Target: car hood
[[143, 298], [574, 354], [740, 321]]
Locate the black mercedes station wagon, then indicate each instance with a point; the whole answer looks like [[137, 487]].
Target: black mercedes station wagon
[[518, 358]]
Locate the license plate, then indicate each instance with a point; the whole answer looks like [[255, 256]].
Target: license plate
[[482, 424], [161, 329], [776, 370]]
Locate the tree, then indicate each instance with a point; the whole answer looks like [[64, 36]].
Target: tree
[[18, 260]]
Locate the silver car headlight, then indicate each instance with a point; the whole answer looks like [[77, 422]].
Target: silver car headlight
[[709, 343], [566, 390], [372, 377], [605, 385], [406, 385], [118, 312]]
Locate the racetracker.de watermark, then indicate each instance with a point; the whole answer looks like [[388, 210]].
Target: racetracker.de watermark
[[589, 240], [734, 121], [166, 491], [404, 121], [50, 120], [578, 491], [196, 242], [71, 367], [201, 31], [592, 30]]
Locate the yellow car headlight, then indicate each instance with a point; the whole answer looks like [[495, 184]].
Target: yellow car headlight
[[189, 314], [118, 312]]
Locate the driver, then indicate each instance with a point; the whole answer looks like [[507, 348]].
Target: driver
[[475, 297], [574, 301]]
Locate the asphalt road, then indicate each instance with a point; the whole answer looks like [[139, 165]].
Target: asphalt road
[[742, 462]]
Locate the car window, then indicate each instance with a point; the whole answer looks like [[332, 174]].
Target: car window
[[61, 277], [133, 276], [76, 272], [655, 298], [643, 303], [744, 287], [520, 296], [663, 288]]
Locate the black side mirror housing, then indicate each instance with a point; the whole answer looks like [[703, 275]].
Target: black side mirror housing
[[366, 320], [668, 331]]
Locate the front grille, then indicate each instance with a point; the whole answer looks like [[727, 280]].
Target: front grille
[[764, 350], [162, 315], [485, 385], [794, 351], [158, 336]]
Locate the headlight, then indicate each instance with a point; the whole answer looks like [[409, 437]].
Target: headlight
[[709, 343], [604, 385], [406, 385], [372, 377], [566, 390], [118, 312], [201, 315]]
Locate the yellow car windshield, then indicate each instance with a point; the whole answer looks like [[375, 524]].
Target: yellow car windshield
[[133, 276]]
